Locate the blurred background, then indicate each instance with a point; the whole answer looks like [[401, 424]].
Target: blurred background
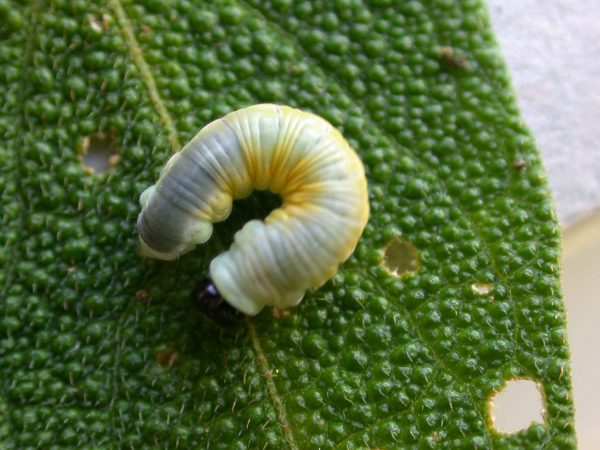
[[552, 48]]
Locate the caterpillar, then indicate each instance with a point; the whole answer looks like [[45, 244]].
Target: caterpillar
[[299, 245]]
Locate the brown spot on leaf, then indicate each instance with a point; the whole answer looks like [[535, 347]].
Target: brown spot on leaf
[[449, 56], [166, 358], [519, 164], [142, 296]]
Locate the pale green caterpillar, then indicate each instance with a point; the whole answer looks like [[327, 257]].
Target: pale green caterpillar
[[300, 245]]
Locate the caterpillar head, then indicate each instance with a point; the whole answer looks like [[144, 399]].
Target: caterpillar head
[[208, 299]]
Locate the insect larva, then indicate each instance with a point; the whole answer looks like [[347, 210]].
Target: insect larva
[[300, 245]]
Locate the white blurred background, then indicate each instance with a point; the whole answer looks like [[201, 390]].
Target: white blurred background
[[552, 48]]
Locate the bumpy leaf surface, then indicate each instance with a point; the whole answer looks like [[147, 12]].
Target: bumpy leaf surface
[[101, 349]]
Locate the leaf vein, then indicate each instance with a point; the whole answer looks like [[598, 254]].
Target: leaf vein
[[135, 51], [272, 388]]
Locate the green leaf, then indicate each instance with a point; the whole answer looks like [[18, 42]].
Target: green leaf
[[101, 349]]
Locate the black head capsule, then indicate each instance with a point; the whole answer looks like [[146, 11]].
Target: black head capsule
[[206, 297]]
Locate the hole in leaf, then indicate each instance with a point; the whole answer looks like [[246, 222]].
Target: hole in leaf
[[482, 288], [400, 257], [99, 153], [517, 406]]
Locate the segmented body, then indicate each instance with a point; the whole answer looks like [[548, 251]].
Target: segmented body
[[299, 245]]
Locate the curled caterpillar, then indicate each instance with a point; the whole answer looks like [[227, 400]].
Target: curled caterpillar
[[299, 245]]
